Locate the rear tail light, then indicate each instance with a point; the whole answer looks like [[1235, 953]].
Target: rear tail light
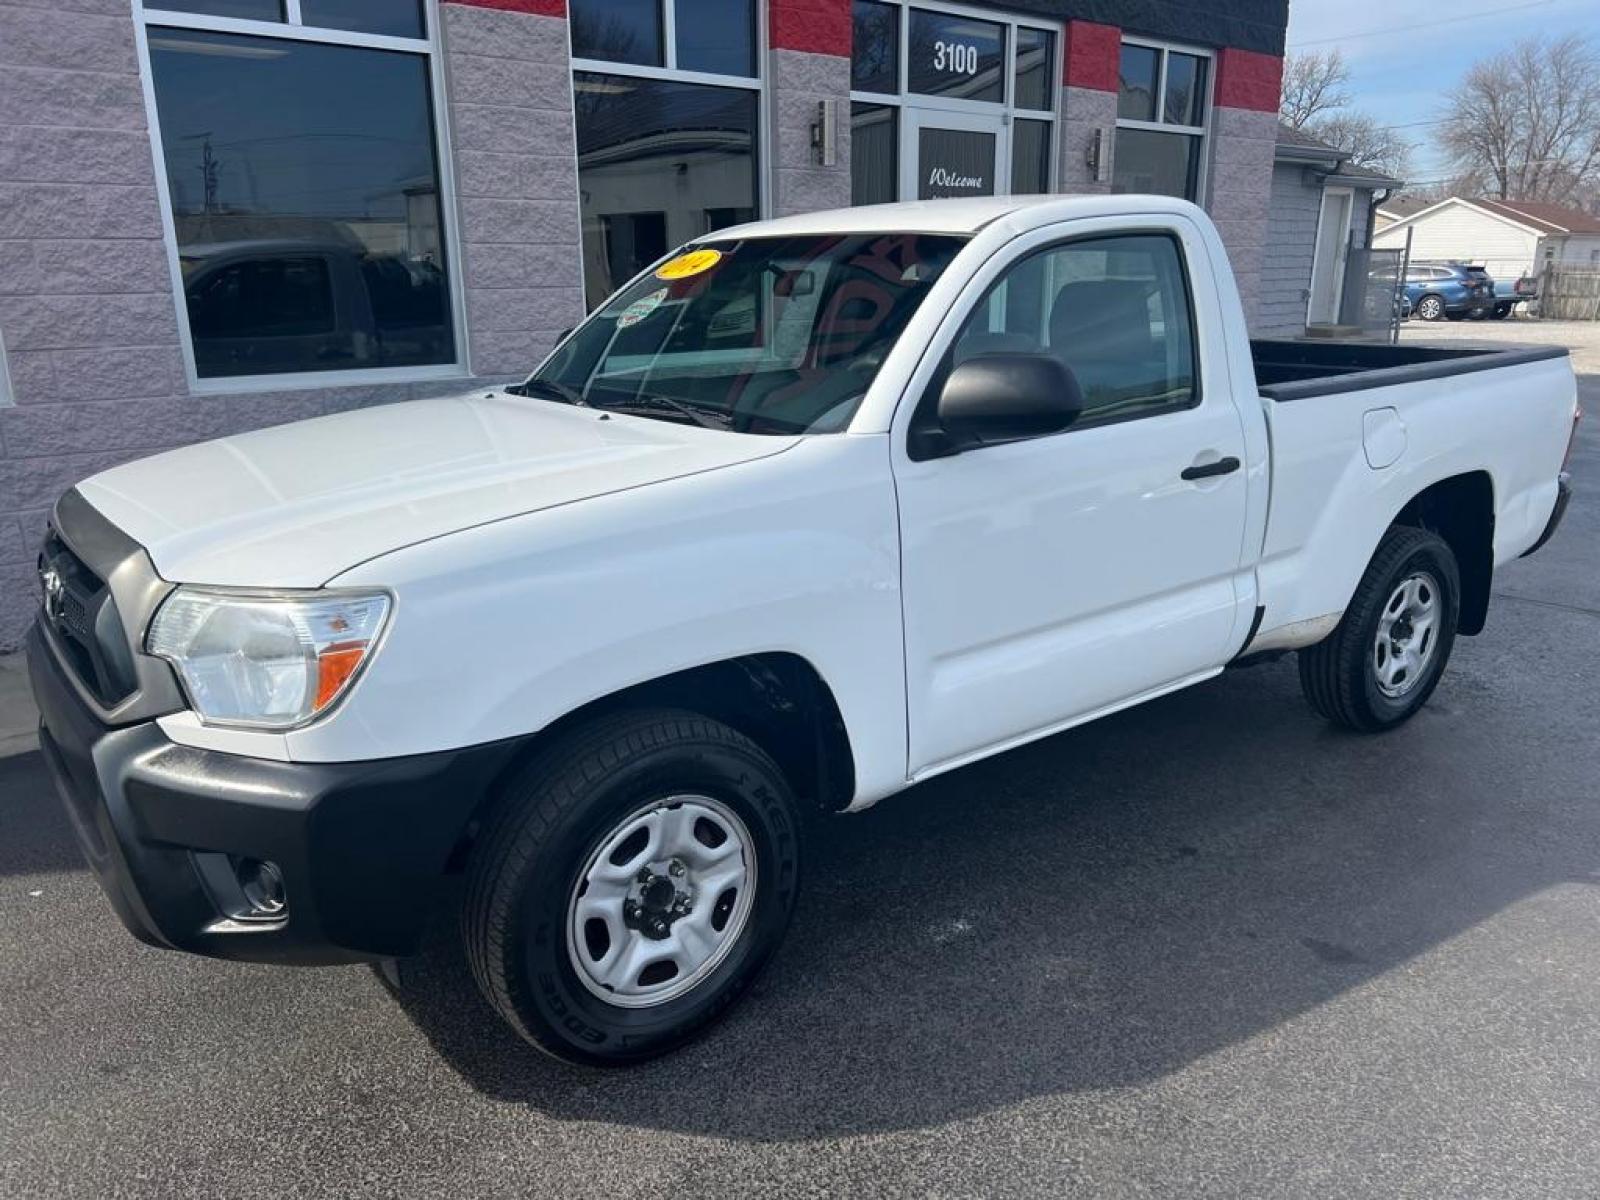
[[1572, 438]]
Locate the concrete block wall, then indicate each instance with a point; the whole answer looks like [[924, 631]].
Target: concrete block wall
[[1244, 131], [87, 310], [508, 79], [1088, 105], [808, 61]]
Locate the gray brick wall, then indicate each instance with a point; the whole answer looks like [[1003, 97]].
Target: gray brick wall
[[1084, 111], [87, 311], [510, 106], [1240, 185], [797, 81]]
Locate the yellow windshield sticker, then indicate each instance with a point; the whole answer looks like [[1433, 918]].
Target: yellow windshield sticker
[[692, 263]]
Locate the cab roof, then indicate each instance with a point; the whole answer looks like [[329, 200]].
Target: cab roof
[[965, 216]]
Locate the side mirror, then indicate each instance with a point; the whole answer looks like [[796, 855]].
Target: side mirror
[[996, 398]]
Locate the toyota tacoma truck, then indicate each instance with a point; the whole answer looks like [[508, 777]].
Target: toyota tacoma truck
[[810, 511]]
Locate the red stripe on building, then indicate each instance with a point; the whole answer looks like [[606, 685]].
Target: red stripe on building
[[815, 26], [538, 8], [1246, 79], [1093, 54]]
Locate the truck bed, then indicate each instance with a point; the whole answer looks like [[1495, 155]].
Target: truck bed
[[1298, 370]]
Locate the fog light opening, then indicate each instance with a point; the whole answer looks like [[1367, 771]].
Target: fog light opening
[[262, 884]]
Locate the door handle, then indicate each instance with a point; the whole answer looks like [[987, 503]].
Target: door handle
[[1223, 466]]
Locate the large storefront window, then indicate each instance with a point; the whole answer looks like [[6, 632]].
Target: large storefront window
[[949, 103], [1161, 120], [303, 190], [666, 98]]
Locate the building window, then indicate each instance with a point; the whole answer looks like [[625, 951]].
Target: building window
[[666, 97], [303, 190], [1162, 108], [949, 102]]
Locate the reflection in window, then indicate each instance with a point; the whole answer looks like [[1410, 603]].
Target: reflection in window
[[1163, 164], [956, 56], [717, 36], [1036, 57], [1186, 88], [624, 31], [874, 153], [1030, 157], [249, 10], [875, 48], [1136, 83], [305, 199], [659, 163], [397, 18]]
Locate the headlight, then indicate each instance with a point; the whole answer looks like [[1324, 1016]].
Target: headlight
[[267, 662]]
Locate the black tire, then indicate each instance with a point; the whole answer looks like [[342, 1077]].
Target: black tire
[[1430, 308], [554, 815], [1339, 674]]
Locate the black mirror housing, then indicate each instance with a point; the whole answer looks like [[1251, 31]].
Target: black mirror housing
[[995, 398]]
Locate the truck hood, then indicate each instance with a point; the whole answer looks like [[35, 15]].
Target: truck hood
[[298, 504]]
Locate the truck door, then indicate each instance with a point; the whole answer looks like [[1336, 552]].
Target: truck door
[[1047, 579]]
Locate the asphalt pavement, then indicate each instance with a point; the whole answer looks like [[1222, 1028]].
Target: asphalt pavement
[[1209, 947]]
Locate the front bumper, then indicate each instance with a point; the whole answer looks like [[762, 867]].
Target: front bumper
[[364, 848], [1563, 498]]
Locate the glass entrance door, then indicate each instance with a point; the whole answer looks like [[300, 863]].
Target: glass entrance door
[[952, 154]]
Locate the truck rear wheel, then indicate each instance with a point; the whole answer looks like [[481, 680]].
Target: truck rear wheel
[[631, 885], [1383, 660]]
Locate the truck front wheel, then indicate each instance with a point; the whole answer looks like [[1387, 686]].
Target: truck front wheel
[[630, 886], [1383, 660]]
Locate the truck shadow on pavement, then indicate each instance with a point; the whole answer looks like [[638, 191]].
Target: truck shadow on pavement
[[1094, 911]]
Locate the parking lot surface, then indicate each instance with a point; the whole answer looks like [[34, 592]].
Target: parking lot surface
[[1582, 338], [1209, 947]]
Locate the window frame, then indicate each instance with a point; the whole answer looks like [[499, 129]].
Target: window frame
[[1006, 110], [1202, 131], [148, 14], [950, 333]]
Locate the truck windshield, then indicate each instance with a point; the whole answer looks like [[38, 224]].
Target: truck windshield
[[777, 335]]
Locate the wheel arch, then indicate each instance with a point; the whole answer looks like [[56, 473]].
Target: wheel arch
[[1460, 509], [778, 699]]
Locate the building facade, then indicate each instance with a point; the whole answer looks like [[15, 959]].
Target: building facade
[[222, 214]]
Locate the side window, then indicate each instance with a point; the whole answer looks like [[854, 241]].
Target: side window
[[1115, 310]]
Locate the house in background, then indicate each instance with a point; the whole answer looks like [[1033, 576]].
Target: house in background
[[1319, 222], [1509, 238], [1397, 208]]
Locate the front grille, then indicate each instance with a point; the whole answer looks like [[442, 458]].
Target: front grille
[[80, 611]]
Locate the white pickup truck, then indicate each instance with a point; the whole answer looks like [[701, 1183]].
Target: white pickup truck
[[808, 512]]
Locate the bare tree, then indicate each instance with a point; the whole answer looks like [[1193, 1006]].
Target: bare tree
[[1313, 85], [1369, 144], [1528, 120]]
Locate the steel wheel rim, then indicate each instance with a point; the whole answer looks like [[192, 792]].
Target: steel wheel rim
[[661, 889], [1430, 308], [1408, 634]]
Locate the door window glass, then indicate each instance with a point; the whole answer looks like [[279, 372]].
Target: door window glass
[[957, 57], [954, 162], [1115, 310]]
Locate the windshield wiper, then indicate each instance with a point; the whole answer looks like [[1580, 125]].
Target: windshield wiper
[[643, 404], [548, 390]]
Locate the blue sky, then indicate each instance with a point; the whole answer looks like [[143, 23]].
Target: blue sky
[[1404, 57]]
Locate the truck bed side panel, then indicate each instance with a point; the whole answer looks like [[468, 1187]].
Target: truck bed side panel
[[1330, 506]]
